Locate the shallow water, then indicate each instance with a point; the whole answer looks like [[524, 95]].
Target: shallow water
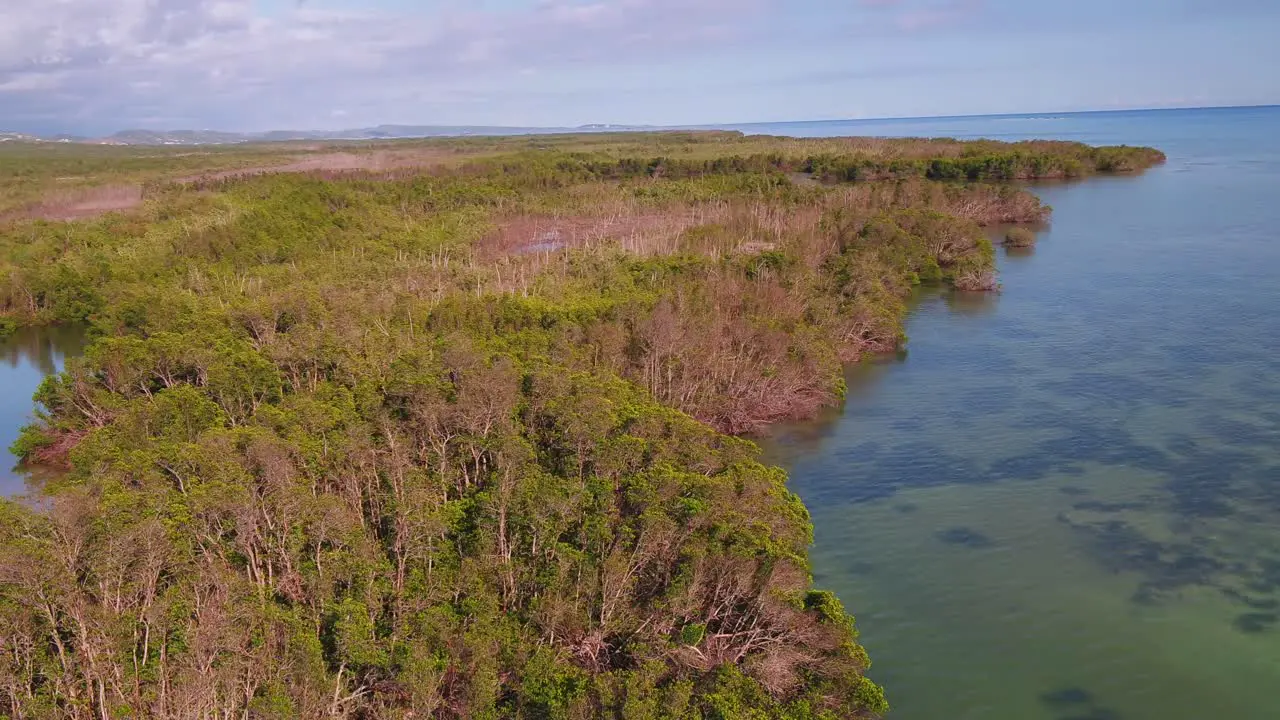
[[1064, 501], [26, 358]]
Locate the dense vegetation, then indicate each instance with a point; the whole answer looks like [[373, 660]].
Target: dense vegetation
[[446, 440]]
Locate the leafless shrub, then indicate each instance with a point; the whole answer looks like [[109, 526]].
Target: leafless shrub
[[84, 203]]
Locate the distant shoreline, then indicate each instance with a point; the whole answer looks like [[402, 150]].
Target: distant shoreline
[[984, 116], [206, 137]]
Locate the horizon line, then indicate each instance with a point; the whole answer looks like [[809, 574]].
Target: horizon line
[[626, 127], [1043, 113]]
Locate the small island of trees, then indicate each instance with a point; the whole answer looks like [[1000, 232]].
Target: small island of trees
[[1019, 237]]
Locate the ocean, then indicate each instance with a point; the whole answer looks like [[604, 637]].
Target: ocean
[[1062, 501]]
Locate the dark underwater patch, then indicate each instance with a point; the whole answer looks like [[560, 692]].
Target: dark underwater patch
[[859, 452], [1106, 388], [1067, 697], [875, 472], [1261, 389], [863, 491], [993, 400], [1266, 487], [1255, 623], [1164, 568], [1235, 432], [964, 537], [1107, 507], [1249, 601], [923, 465], [1266, 579], [1181, 444], [1146, 595], [1106, 445], [912, 424], [1142, 456], [1202, 482], [1095, 714], [1023, 467], [860, 568]]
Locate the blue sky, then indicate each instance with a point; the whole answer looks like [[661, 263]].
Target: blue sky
[[96, 66]]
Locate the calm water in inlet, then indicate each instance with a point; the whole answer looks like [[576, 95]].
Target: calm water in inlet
[[1064, 501], [25, 359]]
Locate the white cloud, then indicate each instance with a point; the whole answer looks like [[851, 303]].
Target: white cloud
[[28, 82], [99, 65], [106, 64], [68, 61]]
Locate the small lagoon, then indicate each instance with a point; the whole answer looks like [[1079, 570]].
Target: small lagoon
[[26, 358]]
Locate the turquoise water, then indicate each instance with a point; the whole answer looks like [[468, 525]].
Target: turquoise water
[[25, 360], [1063, 501]]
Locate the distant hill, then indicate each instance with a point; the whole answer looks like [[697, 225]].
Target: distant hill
[[381, 132], [17, 137], [612, 128]]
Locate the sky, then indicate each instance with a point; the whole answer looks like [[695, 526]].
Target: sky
[[97, 66]]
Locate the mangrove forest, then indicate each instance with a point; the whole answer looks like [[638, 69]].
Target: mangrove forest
[[459, 428]]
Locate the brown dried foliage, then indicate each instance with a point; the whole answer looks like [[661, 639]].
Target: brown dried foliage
[[66, 205]]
